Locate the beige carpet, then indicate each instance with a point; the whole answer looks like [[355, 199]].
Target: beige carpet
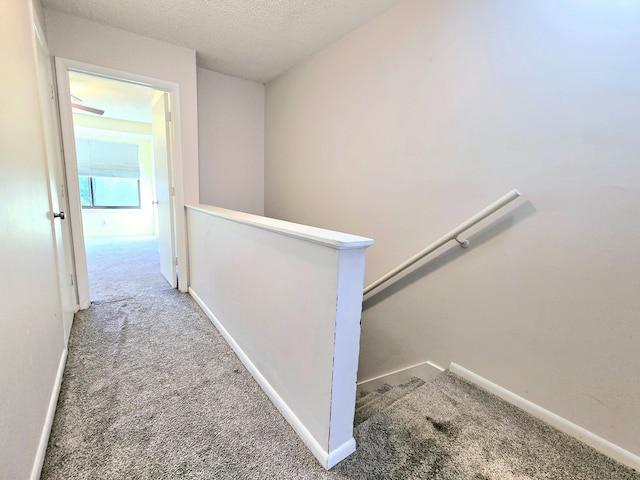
[[152, 391]]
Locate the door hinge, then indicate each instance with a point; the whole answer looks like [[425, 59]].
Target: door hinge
[[167, 116], [52, 91], [173, 191], [176, 260], [72, 282]]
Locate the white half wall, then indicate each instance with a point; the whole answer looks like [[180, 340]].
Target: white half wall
[[231, 142], [409, 125], [82, 40], [288, 300]]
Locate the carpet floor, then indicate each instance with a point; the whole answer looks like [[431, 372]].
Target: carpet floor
[[152, 391]]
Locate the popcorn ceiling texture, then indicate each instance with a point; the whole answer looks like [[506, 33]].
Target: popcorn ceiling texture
[[251, 40]]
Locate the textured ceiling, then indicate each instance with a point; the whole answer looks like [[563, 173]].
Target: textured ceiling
[[256, 40]]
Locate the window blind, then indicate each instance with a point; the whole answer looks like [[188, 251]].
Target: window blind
[[97, 158]]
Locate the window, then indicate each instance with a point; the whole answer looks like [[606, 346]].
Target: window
[[109, 192], [109, 174], [85, 192]]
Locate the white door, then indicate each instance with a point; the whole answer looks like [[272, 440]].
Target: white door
[[57, 190], [164, 187]]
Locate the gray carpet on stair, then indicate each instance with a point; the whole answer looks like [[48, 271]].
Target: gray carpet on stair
[[449, 429], [152, 391], [382, 398]]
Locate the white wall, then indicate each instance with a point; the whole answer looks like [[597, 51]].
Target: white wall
[[411, 124], [31, 331], [85, 41], [231, 142], [288, 299]]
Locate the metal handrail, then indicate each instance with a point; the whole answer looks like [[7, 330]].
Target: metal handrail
[[452, 235]]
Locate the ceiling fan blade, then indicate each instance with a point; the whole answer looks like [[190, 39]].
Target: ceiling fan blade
[[97, 111]]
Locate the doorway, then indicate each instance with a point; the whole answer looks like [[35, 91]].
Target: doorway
[[117, 136]]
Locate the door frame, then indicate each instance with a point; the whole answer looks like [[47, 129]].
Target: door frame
[[63, 66], [164, 202]]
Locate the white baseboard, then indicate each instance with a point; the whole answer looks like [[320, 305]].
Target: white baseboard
[[598, 443], [336, 455], [48, 421], [326, 458], [425, 370]]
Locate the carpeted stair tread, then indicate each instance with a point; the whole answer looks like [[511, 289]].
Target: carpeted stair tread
[[370, 397], [384, 400], [449, 429], [367, 397]]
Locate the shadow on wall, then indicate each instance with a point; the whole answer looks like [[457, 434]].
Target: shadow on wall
[[479, 238]]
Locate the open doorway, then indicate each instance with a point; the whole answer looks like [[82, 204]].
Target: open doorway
[[120, 179]]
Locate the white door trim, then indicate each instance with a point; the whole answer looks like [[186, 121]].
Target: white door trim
[[63, 66]]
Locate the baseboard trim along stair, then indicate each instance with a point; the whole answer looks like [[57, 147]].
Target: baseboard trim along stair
[[48, 422], [598, 443], [326, 458]]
